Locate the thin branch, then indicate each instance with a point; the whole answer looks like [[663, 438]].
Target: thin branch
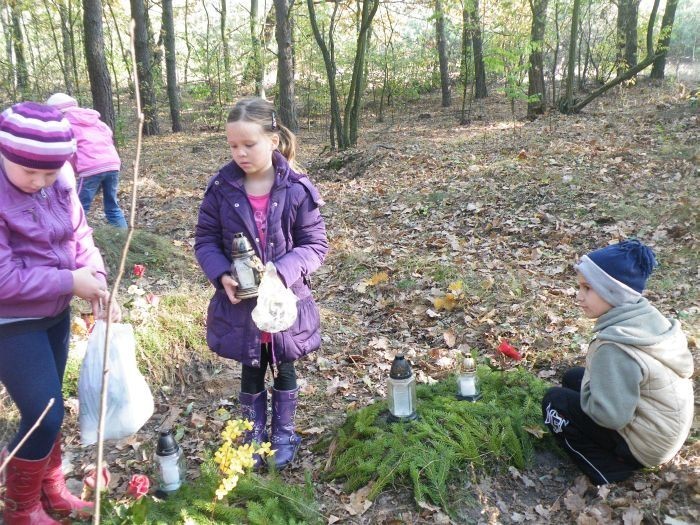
[[115, 287], [7, 459]]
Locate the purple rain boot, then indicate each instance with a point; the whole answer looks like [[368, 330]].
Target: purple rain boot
[[284, 441], [254, 408]]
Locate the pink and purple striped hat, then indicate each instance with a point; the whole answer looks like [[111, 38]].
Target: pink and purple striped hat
[[35, 136]]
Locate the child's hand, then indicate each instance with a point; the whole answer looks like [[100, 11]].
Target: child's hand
[[87, 286], [99, 310], [230, 286]]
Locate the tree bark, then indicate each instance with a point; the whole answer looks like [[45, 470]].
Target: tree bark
[[354, 100], [100, 82], [144, 63], [257, 57], [657, 70], [568, 99], [442, 54], [170, 64], [285, 67], [479, 69], [627, 16], [329, 63], [536, 96], [21, 72], [225, 46]]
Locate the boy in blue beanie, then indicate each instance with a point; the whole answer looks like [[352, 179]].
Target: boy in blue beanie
[[632, 405]]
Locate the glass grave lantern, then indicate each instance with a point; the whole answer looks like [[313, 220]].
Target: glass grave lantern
[[401, 391], [468, 382], [171, 463], [247, 268]]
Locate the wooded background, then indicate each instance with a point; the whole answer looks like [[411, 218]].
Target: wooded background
[[333, 64]]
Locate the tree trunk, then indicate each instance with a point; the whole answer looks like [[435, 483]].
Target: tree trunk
[[71, 18], [7, 33], [555, 57], [329, 63], [21, 72], [257, 69], [144, 63], [627, 16], [568, 99], [466, 43], [285, 69], [126, 58], [68, 66], [442, 54], [59, 50], [354, 100], [226, 51], [650, 59], [170, 64], [188, 44], [479, 69], [657, 70], [100, 83], [536, 96]]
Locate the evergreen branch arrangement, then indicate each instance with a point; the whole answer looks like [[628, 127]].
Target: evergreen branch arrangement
[[256, 500], [449, 435]]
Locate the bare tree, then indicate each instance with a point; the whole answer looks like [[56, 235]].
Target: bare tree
[[285, 65], [536, 99], [477, 46], [143, 67], [657, 70], [100, 82], [568, 100], [21, 71], [170, 64], [257, 57], [442, 53]]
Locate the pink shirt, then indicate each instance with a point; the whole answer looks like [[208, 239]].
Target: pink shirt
[[259, 203]]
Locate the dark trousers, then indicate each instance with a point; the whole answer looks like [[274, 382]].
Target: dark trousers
[[601, 453], [31, 368], [253, 379]]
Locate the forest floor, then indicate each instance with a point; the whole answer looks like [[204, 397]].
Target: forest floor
[[503, 206]]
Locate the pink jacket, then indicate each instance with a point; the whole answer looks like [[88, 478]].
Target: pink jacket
[[43, 237], [96, 151]]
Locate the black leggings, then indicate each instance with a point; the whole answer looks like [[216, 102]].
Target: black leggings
[[253, 378], [601, 453]]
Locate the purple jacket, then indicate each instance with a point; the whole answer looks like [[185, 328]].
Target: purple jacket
[[96, 152], [296, 244], [43, 237]]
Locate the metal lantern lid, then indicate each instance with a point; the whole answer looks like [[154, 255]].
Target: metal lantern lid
[[166, 444], [469, 364], [400, 368], [240, 245]]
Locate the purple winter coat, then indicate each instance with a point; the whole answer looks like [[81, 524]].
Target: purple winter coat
[[296, 244], [43, 237]]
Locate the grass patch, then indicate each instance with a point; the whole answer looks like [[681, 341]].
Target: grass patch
[[448, 437], [257, 500], [162, 258], [173, 336]]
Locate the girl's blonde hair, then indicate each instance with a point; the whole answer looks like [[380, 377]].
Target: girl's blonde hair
[[262, 112]]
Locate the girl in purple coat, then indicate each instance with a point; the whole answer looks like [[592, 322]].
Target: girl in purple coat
[[47, 256], [260, 195]]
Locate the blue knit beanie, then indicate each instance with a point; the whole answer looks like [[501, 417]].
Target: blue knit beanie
[[619, 272]]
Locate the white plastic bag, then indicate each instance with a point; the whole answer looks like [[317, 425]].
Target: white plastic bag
[[277, 305], [129, 399]]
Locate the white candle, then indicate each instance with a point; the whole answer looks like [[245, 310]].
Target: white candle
[[467, 386]]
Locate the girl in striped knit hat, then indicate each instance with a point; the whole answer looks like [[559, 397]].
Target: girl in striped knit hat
[[47, 256]]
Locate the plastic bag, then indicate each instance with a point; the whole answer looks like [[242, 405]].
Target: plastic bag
[[277, 305], [129, 399]]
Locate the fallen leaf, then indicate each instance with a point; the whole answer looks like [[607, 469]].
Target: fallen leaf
[[450, 338], [573, 502], [377, 278], [359, 502], [632, 516], [538, 432]]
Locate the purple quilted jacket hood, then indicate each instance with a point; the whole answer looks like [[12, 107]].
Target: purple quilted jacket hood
[[296, 243]]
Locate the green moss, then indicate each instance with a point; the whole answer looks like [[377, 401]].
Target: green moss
[[448, 436]]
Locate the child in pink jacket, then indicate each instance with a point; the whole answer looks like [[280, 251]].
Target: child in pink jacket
[[96, 162]]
